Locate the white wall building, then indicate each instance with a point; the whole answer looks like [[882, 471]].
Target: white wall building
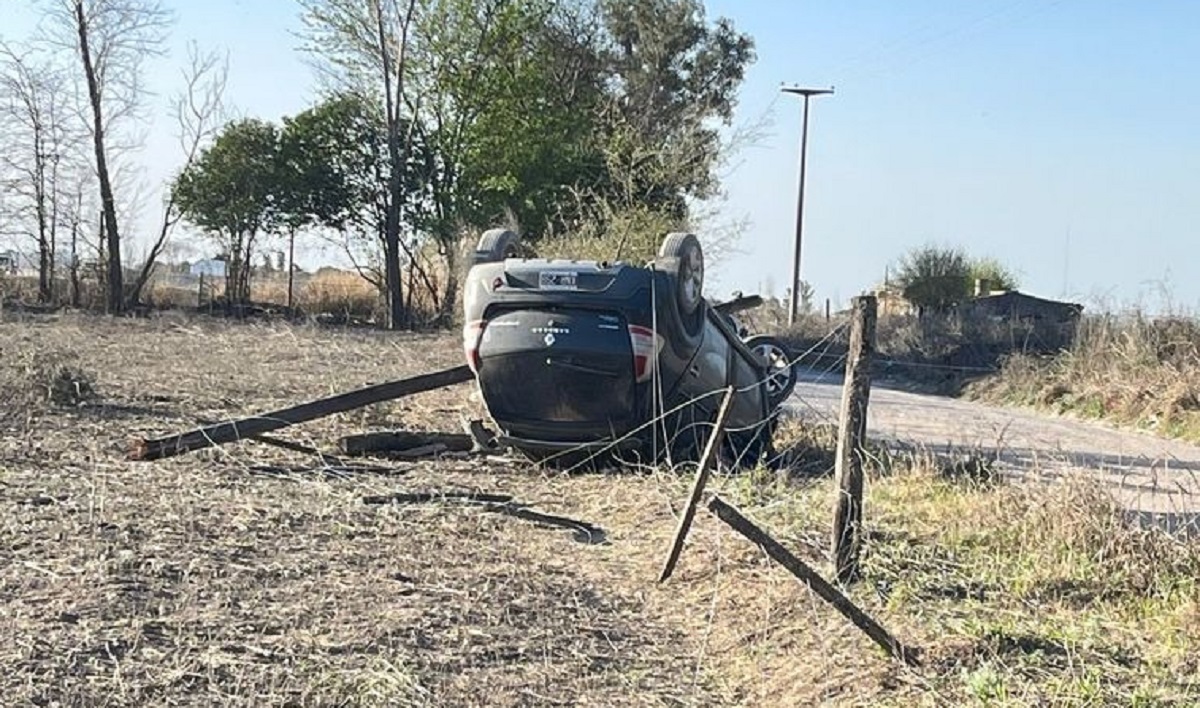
[[210, 268]]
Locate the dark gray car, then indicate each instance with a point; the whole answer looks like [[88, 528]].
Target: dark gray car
[[575, 358]]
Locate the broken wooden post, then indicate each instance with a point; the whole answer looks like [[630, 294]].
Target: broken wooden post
[[706, 459], [812, 579], [285, 444], [852, 433], [235, 430]]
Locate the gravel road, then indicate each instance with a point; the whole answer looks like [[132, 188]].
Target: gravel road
[[1156, 479]]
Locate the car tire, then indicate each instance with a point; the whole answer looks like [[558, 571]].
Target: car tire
[[781, 370], [497, 244], [684, 249]]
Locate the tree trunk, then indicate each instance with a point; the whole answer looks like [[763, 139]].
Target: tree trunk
[[291, 266], [393, 278], [75, 263], [147, 269], [115, 295], [45, 273], [101, 269], [45, 258]]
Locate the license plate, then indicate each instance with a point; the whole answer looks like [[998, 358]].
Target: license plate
[[549, 280]]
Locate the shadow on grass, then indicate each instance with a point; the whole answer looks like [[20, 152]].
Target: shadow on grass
[[581, 531]]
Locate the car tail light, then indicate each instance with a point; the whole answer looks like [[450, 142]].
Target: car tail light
[[472, 333], [646, 345]]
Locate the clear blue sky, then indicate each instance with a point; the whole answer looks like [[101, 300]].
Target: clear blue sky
[[1062, 137]]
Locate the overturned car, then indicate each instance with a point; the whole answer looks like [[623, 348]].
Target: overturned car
[[584, 358]]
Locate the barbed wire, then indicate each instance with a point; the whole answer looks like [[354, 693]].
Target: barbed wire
[[901, 363], [664, 416]]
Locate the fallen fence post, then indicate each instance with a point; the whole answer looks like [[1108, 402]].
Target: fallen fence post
[[852, 433], [812, 579], [253, 426], [285, 444], [706, 460]]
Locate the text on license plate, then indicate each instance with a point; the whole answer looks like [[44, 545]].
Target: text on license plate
[[551, 280]]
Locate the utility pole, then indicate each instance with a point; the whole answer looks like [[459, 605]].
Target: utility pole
[[807, 93]]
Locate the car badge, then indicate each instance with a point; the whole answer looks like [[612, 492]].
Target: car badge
[[549, 338]]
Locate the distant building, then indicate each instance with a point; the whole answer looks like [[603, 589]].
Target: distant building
[[1036, 323], [212, 268], [1014, 306], [14, 262]]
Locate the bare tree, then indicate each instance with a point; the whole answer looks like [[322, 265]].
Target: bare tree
[[33, 113], [111, 39], [199, 112], [364, 44]]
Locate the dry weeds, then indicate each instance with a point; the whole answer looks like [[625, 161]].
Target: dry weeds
[[233, 577], [1131, 370]]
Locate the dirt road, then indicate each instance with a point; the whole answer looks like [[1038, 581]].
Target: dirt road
[[1157, 479]]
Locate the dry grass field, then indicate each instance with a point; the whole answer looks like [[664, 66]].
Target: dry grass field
[[251, 576]]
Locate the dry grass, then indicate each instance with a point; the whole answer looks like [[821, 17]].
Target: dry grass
[[326, 291], [1132, 370], [343, 295], [233, 578]]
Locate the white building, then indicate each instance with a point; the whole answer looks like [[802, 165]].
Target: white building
[[14, 262], [211, 268]]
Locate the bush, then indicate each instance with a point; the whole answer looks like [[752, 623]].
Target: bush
[[32, 381]]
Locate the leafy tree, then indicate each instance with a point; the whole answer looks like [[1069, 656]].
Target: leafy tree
[[935, 278], [312, 188], [995, 273], [669, 81], [364, 45], [230, 191], [509, 98], [674, 78], [549, 115], [332, 160]]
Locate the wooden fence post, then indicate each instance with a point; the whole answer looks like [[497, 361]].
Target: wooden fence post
[[711, 451], [852, 433], [809, 577]]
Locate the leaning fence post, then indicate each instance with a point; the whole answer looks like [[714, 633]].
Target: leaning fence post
[[711, 450], [852, 433]]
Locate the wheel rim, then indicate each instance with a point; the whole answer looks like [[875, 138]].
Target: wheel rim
[[779, 369]]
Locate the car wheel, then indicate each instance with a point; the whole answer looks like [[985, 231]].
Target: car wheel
[[781, 373], [689, 277], [496, 245]]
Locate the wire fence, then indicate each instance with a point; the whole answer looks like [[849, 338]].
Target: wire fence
[[817, 364], [663, 417]]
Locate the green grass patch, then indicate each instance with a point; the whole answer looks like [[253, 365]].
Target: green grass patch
[[1020, 594]]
